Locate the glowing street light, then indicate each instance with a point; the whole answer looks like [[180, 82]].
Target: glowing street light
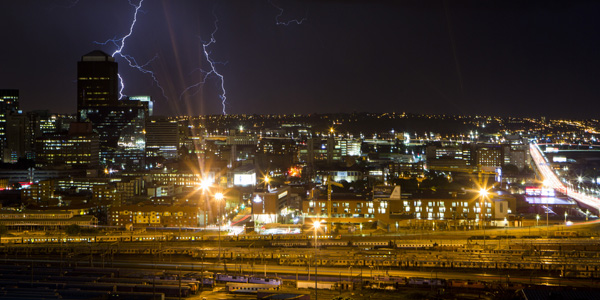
[[267, 180], [205, 186], [219, 197], [257, 199], [537, 220], [482, 194], [566, 218], [316, 225]]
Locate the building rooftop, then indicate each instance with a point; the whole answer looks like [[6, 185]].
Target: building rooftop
[[94, 55]]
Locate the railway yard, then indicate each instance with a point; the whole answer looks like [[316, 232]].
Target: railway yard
[[193, 265]]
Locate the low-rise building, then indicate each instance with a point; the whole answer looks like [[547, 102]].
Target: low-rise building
[[389, 208], [44, 219], [142, 216]]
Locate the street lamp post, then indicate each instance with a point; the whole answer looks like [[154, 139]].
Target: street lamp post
[[566, 218], [547, 224], [257, 199], [482, 194], [317, 224], [205, 185], [547, 227], [219, 197], [537, 220], [267, 180]]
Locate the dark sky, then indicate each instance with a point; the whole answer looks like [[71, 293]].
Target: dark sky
[[503, 58]]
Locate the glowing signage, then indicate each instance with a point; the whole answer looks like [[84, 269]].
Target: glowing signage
[[539, 191], [244, 179], [559, 159]]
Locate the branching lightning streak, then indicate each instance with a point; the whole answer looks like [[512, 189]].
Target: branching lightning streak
[[213, 69], [277, 22], [120, 43], [72, 3]]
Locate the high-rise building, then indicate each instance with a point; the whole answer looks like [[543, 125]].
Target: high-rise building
[[120, 124], [121, 133], [97, 80], [490, 155], [77, 149], [162, 137], [146, 99], [18, 137], [9, 102], [321, 150]]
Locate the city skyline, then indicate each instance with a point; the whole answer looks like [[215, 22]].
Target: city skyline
[[431, 57]]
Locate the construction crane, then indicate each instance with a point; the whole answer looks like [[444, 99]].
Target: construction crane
[[330, 182]]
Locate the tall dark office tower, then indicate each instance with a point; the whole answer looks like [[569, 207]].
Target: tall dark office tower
[[120, 125], [9, 102], [97, 80]]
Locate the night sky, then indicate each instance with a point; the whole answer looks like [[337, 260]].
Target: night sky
[[502, 58]]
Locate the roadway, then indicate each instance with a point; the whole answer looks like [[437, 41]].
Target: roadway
[[551, 179]]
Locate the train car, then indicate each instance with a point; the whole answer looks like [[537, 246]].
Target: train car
[[290, 244], [467, 284], [565, 234], [231, 278], [371, 245], [413, 245], [419, 281], [168, 290], [479, 237], [202, 278], [531, 237], [249, 288], [265, 280]]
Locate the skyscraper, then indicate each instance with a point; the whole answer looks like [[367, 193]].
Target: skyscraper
[[146, 99], [162, 137], [9, 102], [97, 80], [120, 125], [18, 137]]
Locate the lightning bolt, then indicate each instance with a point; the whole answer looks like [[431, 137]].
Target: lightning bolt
[[277, 22], [72, 3], [120, 44], [212, 70]]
